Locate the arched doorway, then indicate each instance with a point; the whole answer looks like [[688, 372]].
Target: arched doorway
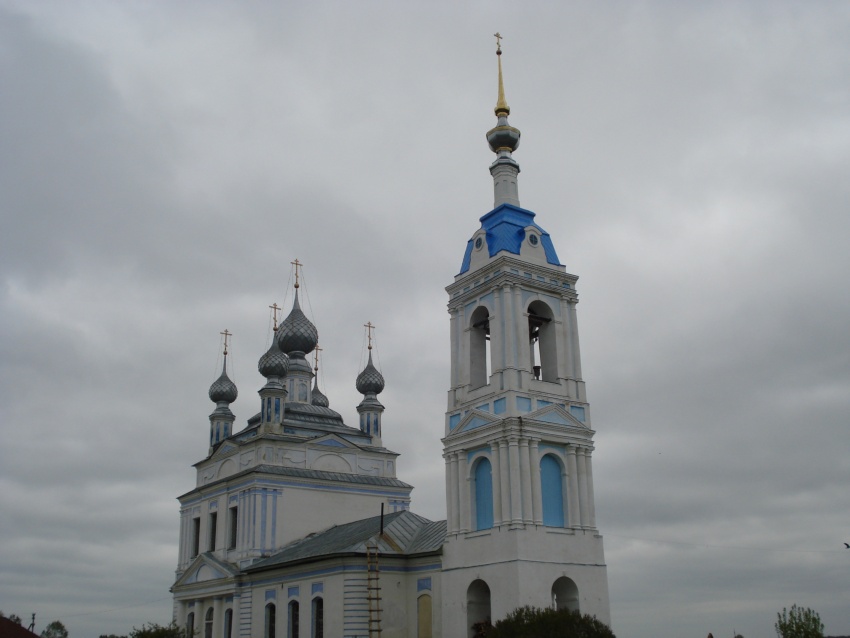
[[477, 605], [565, 594]]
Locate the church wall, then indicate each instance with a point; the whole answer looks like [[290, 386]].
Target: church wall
[[338, 505]]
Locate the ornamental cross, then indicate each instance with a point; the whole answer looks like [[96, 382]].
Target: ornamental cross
[[226, 334], [498, 37], [316, 358], [369, 327], [274, 307], [297, 265]]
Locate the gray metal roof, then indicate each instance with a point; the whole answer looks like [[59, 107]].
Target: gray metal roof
[[405, 534]]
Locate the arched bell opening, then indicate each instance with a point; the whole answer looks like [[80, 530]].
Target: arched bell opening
[[542, 337], [479, 348]]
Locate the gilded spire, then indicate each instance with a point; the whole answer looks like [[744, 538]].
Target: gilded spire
[[502, 107]]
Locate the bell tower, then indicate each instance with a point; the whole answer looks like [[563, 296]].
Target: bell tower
[[518, 439]]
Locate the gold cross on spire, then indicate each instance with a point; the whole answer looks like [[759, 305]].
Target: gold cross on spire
[[498, 37], [316, 358], [274, 307], [297, 265], [226, 334], [369, 328]]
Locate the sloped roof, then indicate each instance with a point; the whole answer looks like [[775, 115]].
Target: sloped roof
[[9, 629], [405, 534], [505, 229]]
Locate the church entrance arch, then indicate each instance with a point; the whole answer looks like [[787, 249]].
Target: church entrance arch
[[565, 594], [477, 605]]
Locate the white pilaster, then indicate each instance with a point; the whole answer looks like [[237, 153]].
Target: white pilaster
[[504, 479], [536, 490], [463, 485], [591, 505], [573, 508], [525, 477], [582, 487], [516, 503], [497, 483]]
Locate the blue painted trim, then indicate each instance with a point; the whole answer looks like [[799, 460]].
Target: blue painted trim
[[523, 404], [578, 412], [293, 591], [317, 588], [423, 584], [500, 406], [454, 419], [484, 408]]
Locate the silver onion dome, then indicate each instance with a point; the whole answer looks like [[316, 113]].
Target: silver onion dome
[[273, 363], [223, 389], [317, 398], [370, 380], [297, 333]]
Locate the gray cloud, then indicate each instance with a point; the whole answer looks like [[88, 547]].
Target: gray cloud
[[161, 165]]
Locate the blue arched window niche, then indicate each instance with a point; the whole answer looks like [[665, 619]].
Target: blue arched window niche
[[552, 486], [482, 474]]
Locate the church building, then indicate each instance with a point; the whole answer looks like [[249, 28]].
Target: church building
[[275, 541]]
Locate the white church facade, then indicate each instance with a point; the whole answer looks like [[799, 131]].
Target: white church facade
[[298, 526]]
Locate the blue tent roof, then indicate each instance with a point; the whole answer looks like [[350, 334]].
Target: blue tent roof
[[505, 227]]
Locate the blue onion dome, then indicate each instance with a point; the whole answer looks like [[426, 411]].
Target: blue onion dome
[[370, 380], [297, 333], [223, 389], [317, 398], [273, 363]]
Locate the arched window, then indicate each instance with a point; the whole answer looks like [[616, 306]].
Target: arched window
[[565, 594], [483, 492], [228, 623], [271, 619], [292, 622], [318, 628], [423, 617], [190, 624], [552, 486], [477, 605], [479, 348], [208, 623], [544, 350]]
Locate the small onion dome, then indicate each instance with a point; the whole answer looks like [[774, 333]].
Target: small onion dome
[[318, 398], [297, 333], [223, 389], [370, 380], [273, 363]]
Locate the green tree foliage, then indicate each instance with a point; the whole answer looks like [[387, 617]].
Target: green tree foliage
[[55, 630], [531, 622], [152, 630], [798, 622]]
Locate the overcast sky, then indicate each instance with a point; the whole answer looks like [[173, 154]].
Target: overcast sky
[[162, 163]]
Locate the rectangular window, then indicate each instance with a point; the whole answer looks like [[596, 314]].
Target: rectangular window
[[213, 527], [196, 536], [232, 527]]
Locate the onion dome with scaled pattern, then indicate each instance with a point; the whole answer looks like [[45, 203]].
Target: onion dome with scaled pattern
[[370, 381], [273, 363], [223, 390], [317, 398], [297, 333]]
